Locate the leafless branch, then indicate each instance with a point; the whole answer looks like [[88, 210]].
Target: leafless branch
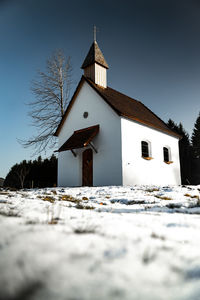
[[51, 90], [22, 172]]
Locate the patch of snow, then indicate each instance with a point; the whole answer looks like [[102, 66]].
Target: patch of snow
[[114, 242]]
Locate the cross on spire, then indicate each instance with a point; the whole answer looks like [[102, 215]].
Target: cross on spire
[[95, 33]]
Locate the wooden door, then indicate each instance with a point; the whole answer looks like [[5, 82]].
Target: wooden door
[[87, 168]]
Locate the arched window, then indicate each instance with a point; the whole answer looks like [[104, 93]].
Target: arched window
[[166, 154], [145, 149]]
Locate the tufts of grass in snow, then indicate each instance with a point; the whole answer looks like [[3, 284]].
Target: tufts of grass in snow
[[113, 243]]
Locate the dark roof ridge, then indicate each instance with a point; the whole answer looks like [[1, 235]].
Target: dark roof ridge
[[156, 116], [123, 105], [163, 126], [103, 88]]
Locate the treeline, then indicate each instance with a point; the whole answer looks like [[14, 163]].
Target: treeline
[[189, 152], [30, 174]]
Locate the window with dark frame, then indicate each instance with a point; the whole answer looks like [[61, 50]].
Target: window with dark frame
[[145, 149], [166, 154]]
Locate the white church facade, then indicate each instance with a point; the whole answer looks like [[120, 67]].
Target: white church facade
[[108, 138]]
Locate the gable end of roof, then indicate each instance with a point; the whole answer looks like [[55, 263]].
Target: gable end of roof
[[124, 106]]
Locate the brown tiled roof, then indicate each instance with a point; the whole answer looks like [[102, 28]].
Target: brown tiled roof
[[123, 106], [80, 138], [94, 55], [131, 108]]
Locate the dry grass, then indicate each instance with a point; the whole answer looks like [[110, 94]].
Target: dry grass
[[54, 192], [4, 193], [156, 236], [80, 206], [48, 198], [148, 256], [84, 231], [23, 195], [53, 221], [173, 205], [69, 198], [12, 189], [163, 197], [10, 213], [3, 201], [52, 216], [152, 190], [187, 195], [193, 197], [132, 202]]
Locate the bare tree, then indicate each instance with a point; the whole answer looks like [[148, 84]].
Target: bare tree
[[21, 172], [52, 91]]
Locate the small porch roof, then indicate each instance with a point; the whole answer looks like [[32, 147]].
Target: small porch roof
[[80, 138]]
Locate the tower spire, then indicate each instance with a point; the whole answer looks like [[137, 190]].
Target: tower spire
[[95, 65]]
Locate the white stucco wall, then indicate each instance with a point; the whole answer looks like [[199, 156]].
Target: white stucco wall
[[137, 170], [107, 162]]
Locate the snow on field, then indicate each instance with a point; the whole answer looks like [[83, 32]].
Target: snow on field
[[100, 243]]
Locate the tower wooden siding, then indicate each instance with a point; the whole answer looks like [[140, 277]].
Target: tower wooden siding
[[97, 74]]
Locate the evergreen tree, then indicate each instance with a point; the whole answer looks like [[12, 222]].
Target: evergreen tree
[[172, 125], [196, 138], [37, 173], [184, 151]]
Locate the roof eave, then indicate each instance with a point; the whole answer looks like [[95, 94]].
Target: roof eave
[[83, 79], [102, 65], [170, 132], [87, 141]]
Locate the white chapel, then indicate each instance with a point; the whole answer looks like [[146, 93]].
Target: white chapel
[[108, 138]]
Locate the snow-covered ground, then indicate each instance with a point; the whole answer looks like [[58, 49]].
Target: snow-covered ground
[[100, 243]]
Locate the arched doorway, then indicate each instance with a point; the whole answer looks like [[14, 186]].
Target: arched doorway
[[87, 168]]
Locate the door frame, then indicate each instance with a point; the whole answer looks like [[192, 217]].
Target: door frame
[[87, 167]]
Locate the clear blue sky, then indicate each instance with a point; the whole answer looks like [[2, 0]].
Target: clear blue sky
[[151, 46]]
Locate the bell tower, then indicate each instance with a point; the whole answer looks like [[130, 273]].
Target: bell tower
[[95, 66]]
